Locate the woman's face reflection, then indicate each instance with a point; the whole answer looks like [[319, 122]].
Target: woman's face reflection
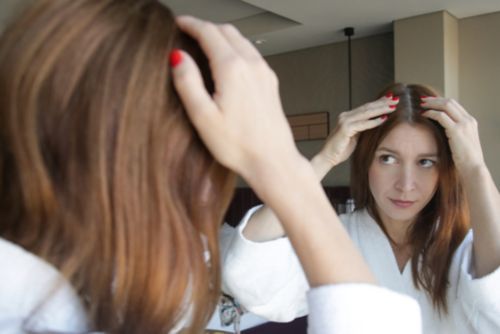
[[403, 175]]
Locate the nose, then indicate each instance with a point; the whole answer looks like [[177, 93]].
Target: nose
[[406, 179]]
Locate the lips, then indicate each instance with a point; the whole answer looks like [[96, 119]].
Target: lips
[[402, 204]]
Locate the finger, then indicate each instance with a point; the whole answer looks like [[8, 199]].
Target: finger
[[387, 103], [209, 37], [441, 117], [367, 125], [371, 111], [387, 100], [449, 106], [240, 43], [188, 82]]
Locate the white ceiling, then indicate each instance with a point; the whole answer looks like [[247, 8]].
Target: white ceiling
[[288, 25]]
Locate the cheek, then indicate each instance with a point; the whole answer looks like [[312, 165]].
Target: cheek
[[375, 180], [430, 183]]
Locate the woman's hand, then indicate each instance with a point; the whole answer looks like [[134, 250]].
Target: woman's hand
[[461, 129], [482, 194], [244, 127], [342, 141], [242, 124]]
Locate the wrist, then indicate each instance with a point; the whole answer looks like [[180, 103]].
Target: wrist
[[474, 173], [322, 164], [264, 175]]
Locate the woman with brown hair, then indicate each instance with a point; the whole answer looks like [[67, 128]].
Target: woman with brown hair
[[427, 219], [101, 172], [111, 193]]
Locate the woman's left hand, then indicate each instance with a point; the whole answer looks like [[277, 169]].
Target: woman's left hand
[[461, 129]]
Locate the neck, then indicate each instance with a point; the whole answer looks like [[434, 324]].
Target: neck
[[396, 229]]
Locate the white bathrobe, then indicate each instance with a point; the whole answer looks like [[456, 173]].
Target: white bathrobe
[[267, 279], [25, 283]]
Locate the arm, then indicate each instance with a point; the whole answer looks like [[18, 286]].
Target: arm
[[264, 225], [323, 246], [231, 124], [484, 204], [244, 127], [482, 194]]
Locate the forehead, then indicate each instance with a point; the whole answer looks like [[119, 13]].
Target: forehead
[[407, 138]]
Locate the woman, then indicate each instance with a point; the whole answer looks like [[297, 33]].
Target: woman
[[419, 181], [110, 203]]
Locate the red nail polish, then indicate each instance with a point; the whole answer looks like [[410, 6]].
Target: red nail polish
[[395, 98], [175, 57], [384, 117], [392, 107], [388, 95], [423, 96]]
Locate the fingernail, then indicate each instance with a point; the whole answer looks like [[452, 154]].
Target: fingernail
[[423, 96], [422, 104], [175, 57], [395, 98], [388, 95], [384, 117], [392, 107]]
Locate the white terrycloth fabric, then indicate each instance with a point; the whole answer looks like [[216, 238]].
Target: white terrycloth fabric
[[268, 280], [26, 281], [35, 298], [361, 308]]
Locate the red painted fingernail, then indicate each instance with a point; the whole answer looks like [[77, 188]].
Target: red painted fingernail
[[423, 96], [395, 98], [392, 107], [175, 57], [388, 95], [384, 117]]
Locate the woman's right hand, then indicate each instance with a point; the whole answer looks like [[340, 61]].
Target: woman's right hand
[[244, 127], [242, 123], [342, 140]]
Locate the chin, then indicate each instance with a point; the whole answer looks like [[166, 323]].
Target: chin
[[400, 214]]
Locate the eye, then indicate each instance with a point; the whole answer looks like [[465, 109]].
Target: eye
[[387, 159], [427, 163]]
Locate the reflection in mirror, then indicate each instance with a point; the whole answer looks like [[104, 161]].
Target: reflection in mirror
[[393, 43]]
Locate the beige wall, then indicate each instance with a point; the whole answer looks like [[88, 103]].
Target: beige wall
[[451, 55], [465, 66], [316, 79], [426, 51], [480, 81], [461, 58], [418, 50]]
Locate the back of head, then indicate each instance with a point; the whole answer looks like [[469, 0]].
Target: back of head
[[444, 221], [101, 172]]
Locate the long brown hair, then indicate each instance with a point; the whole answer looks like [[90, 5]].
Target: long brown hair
[[101, 172], [442, 224]]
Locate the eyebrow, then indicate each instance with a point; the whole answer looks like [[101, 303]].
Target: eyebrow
[[427, 155]]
